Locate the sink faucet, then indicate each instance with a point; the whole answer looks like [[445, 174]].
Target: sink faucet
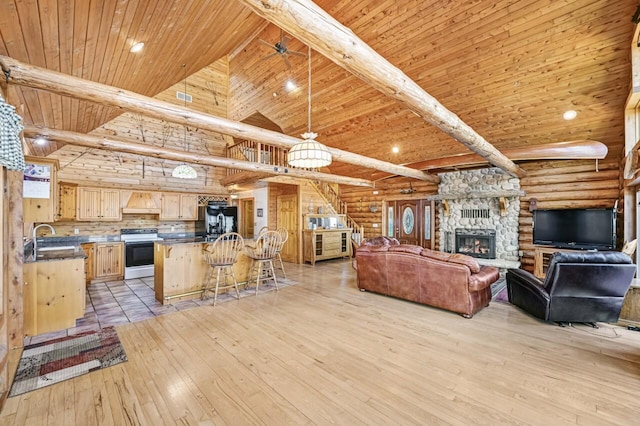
[[35, 230]]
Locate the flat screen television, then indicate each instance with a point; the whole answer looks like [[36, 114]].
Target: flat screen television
[[584, 229]]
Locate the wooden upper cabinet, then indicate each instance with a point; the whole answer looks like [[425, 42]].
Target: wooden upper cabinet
[[188, 207], [95, 204], [66, 201], [39, 190], [179, 207]]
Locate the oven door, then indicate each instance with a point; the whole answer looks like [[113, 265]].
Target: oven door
[[139, 253]]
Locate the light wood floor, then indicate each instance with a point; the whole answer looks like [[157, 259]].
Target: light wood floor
[[321, 352]]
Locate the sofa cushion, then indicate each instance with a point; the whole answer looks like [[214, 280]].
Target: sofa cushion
[[437, 255], [486, 276], [468, 261], [380, 241], [406, 248]]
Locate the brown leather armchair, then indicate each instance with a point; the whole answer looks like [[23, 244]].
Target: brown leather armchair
[[578, 287]]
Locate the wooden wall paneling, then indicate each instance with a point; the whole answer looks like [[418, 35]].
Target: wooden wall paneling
[[360, 200], [570, 184], [4, 289]]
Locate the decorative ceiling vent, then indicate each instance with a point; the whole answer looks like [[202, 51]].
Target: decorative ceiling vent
[[475, 213], [184, 97]]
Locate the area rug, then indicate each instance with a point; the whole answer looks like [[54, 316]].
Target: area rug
[[499, 291], [56, 360]]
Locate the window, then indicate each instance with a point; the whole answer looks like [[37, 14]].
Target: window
[[390, 221]]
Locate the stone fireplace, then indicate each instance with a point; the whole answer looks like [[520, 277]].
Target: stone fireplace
[[478, 212], [480, 243]]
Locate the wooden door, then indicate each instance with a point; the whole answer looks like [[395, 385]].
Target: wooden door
[[110, 205], [89, 203], [411, 222], [287, 218], [408, 221], [247, 220]]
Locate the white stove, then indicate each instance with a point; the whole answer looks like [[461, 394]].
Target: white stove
[[138, 248]]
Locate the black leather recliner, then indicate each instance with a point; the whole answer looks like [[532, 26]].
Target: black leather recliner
[[579, 287]]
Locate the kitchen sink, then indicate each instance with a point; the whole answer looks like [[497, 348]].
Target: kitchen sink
[[56, 248]]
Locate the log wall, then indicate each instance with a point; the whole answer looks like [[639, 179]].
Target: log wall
[[66, 228], [361, 200], [565, 184], [554, 184], [86, 166]]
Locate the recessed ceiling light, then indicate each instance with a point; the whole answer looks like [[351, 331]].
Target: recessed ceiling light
[[395, 150], [569, 115], [40, 141], [136, 47], [290, 85], [275, 94]]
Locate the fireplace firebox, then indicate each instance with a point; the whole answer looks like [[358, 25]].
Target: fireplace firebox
[[479, 243]]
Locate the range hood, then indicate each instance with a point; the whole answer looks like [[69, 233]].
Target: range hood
[[143, 203]]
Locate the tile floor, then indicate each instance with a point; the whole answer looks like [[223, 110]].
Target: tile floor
[[120, 302]]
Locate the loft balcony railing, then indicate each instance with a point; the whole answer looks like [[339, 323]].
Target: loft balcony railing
[[256, 152]]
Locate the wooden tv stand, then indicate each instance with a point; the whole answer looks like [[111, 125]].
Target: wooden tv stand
[[541, 258]]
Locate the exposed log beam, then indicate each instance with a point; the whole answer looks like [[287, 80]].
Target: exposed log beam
[[571, 150], [313, 26], [64, 84], [120, 145]]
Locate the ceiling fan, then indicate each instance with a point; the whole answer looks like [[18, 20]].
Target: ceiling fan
[[281, 49]]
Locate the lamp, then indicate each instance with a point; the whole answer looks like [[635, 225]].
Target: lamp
[[309, 153], [185, 171]]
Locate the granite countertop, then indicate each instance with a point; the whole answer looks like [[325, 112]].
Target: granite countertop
[[50, 255], [184, 240]]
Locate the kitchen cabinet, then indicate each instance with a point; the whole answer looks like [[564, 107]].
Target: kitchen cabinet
[[39, 187], [53, 295], [180, 269], [179, 207], [89, 262], [321, 244], [66, 201], [109, 261], [96, 204]]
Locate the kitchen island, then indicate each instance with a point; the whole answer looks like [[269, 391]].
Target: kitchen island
[[180, 269], [54, 290]]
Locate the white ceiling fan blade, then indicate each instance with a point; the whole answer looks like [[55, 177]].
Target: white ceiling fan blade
[[266, 43], [284, 42], [293, 52]]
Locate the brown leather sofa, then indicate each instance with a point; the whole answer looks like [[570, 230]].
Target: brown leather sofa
[[449, 281]]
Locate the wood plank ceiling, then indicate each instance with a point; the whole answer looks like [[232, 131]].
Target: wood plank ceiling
[[508, 68]]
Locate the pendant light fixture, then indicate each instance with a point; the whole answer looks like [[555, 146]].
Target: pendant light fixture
[[185, 171], [309, 154]]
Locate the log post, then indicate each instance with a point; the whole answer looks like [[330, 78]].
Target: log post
[[317, 29], [14, 228], [67, 85]]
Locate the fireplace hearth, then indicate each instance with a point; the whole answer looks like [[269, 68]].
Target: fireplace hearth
[[479, 243]]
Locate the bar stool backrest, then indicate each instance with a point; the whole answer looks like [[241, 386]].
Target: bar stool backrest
[[266, 246], [225, 249]]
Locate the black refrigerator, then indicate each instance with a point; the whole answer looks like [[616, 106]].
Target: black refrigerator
[[215, 220]]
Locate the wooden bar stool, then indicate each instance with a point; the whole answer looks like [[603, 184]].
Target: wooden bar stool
[[262, 256], [221, 255], [284, 236]]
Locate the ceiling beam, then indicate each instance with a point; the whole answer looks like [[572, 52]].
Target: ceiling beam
[[313, 26], [571, 150], [24, 74], [148, 150]]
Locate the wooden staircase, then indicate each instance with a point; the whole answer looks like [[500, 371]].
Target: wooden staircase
[[338, 206]]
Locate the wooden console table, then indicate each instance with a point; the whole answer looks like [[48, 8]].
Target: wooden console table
[[541, 258]]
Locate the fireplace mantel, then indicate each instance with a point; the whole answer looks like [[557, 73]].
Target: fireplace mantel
[[480, 194]]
